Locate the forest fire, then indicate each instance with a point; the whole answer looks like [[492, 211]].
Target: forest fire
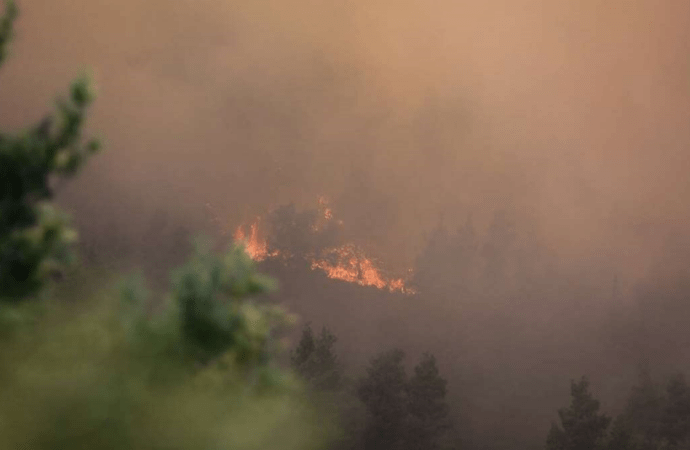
[[323, 206], [346, 262], [256, 248], [351, 265]]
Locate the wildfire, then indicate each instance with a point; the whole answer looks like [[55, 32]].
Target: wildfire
[[256, 248], [351, 265], [347, 262], [325, 210]]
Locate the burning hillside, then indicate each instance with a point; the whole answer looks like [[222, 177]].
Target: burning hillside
[[310, 236], [256, 248]]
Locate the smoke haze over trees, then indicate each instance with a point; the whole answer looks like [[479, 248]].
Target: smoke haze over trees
[[520, 165]]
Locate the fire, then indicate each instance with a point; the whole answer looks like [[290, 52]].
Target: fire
[[347, 262], [325, 210], [256, 248], [351, 265]]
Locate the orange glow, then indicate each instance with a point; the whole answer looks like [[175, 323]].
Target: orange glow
[[327, 212], [351, 264], [347, 263], [256, 248]]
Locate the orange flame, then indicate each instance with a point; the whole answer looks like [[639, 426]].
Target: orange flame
[[327, 212], [353, 266], [256, 248], [347, 263]]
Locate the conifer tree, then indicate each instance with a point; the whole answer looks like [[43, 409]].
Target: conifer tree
[[582, 426], [427, 406], [315, 361], [302, 354], [675, 419], [109, 375], [35, 237], [621, 437], [642, 416], [384, 393]]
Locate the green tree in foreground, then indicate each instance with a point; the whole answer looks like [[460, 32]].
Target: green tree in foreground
[[102, 372], [6, 29], [582, 426], [35, 237]]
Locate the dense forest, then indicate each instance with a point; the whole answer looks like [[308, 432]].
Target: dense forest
[[163, 338]]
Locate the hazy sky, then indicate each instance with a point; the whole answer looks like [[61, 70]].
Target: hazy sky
[[574, 111]]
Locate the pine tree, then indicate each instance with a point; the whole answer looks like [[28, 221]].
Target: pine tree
[[6, 28], [582, 426], [384, 393], [107, 375], [315, 361], [302, 354], [35, 237], [643, 413], [427, 406], [675, 423], [328, 376], [621, 437]]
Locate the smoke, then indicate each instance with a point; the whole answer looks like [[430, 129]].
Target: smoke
[[571, 116], [574, 112]]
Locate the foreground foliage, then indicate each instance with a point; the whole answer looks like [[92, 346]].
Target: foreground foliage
[[35, 237], [106, 375], [114, 366]]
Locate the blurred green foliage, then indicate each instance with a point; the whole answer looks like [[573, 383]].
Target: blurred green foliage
[[102, 365], [35, 237], [104, 372], [6, 30]]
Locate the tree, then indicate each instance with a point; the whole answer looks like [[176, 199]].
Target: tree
[[35, 237], [675, 419], [6, 28], [301, 356], [642, 416], [107, 374], [213, 318], [315, 361], [582, 426], [427, 406], [384, 393], [621, 436]]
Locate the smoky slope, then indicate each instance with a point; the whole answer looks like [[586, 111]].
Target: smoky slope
[[509, 340], [567, 110]]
